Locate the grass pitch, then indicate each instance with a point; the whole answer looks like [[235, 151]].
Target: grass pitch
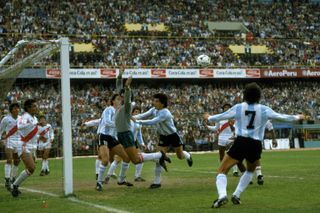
[[292, 184]]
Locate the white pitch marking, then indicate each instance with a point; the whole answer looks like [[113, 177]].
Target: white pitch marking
[[76, 200], [211, 172]]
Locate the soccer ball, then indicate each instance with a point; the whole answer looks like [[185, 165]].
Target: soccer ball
[[203, 60]]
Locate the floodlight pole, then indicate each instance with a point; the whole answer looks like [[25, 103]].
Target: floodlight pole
[[66, 117]]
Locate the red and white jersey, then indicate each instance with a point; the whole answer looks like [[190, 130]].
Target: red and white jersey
[[47, 132], [223, 129], [28, 129], [9, 126]]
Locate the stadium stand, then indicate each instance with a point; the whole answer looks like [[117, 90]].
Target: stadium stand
[[290, 29]]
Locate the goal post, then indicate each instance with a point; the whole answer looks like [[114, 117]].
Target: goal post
[[66, 117], [13, 63]]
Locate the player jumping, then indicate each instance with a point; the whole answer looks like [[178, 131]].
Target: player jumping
[[162, 118]]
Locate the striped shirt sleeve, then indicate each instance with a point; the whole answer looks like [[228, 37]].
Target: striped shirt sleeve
[[145, 115], [92, 123], [278, 116], [163, 115], [231, 113]]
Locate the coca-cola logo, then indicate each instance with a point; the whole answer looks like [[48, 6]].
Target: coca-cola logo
[[282, 73], [158, 73], [53, 73], [108, 73], [253, 73], [206, 73], [309, 73]]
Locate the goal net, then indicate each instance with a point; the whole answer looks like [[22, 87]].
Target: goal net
[[28, 54], [25, 53]]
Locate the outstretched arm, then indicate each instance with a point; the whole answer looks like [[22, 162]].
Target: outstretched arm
[[161, 117], [145, 114], [231, 113], [92, 123], [283, 117]]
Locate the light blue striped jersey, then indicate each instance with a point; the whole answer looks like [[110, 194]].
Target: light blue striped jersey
[[107, 123], [162, 119], [251, 119]]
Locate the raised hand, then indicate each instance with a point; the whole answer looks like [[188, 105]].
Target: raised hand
[[128, 81]]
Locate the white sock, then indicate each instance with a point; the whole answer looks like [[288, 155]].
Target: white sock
[[97, 165], [47, 166], [186, 155], [235, 168], [151, 156], [221, 183], [258, 171], [7, 170], [113, 167], [14, 171], [102, 168], [43, 168], [22, 177], [123, 171], [243, 183], [138, 170], [157, 174]]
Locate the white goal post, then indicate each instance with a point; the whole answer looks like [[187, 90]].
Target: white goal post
[[8, 74], [66, 117]]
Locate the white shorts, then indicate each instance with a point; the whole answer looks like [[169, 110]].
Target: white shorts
[[225, 141], [42, 146], [20, 147], [12, 144]]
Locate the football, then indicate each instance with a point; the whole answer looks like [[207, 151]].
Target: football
[[203, 60]]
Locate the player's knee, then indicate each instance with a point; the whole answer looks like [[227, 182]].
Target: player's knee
[[250, 169], [31, 169], [16, 162], [136, 160], [104, 161], [126, 159], [222, 169], [180, 156]]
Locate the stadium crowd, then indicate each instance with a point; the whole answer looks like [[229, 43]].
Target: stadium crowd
[[290, 29], [188, 101]]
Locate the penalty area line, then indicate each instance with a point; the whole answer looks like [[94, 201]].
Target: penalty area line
[[76, 200]]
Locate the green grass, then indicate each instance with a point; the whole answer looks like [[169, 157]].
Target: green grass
[[292, 184]]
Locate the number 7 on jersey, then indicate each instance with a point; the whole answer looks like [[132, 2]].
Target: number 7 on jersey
[[252, 115]]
